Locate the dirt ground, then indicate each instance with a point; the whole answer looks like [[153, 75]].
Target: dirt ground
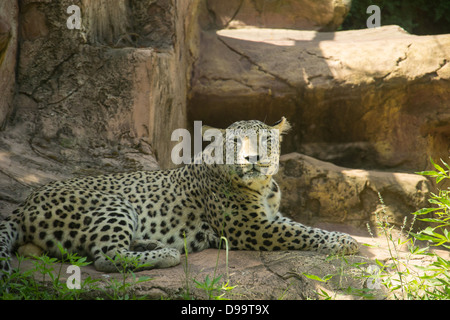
[[263, 275]]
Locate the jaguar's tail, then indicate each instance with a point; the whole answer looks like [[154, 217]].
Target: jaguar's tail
[[9, 234]]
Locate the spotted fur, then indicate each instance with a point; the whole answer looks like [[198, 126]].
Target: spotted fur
[[150, 214]]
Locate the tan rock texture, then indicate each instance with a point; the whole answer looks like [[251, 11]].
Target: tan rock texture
[[93, 100], [381, 88], [104, 89], [9, 11]]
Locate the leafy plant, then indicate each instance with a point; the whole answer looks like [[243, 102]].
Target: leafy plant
[[437, 274], [120, 289], [212, 286], [432, 280], [397, 275], [43, 281]]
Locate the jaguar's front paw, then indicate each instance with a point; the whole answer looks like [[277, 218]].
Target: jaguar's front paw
[[342, 243]]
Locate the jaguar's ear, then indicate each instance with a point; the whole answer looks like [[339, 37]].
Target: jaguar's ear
[[283, 125]]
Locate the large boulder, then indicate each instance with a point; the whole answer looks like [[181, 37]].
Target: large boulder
[[315, 192], [382, 90]]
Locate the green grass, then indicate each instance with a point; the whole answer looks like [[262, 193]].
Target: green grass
[[44, 280], [214, 288]]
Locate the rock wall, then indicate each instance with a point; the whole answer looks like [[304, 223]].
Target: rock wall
[[9, 11], [105, 97], [371, 98], [95, 87]]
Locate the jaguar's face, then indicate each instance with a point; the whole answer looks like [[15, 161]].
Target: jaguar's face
[[251, 149]]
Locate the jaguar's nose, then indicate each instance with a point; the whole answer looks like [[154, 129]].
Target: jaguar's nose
[[253, 159]]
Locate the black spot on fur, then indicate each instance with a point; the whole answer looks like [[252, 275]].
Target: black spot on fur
[[58, 235]]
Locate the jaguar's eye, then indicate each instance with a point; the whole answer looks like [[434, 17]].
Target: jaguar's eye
[[264, 140]]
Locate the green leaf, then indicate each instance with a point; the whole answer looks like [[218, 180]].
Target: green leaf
[[445, 201], [144, 279], [431, 220], [417, 250], [313, 277], [428, 173], [420, 236], [371, 245], [437, 166], [216, 280], [430, 231], [378, 262], [445, 164], [440, 178], [435, 201], [442, 262], [425, 211], [324, 294]]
